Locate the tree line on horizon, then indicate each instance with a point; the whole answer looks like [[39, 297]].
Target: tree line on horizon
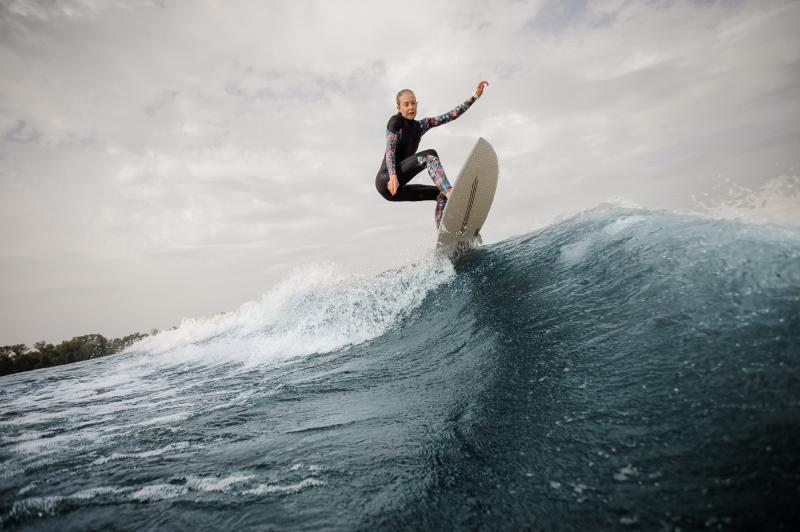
[[20, 357]]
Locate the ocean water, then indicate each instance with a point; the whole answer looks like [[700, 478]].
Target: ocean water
[[623, 369]]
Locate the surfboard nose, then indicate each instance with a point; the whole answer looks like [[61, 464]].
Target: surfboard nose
[[483, 145], [470, 201]]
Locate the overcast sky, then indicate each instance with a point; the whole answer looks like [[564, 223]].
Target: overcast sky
[[170, 159]]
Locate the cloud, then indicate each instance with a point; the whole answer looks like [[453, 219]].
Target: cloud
[[556, 16], [175, 150], [22, 132], [64, 9]]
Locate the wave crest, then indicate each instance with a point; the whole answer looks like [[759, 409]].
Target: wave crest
[[317, 309]]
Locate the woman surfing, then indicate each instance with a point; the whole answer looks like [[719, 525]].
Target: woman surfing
[[403, 133]]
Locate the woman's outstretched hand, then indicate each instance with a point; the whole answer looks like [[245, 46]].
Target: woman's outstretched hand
[[481, 85], [393, 184]]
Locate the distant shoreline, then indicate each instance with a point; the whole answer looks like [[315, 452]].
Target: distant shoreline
[[20, 357]]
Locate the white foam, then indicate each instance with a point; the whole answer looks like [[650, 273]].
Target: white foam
[[178, 446], [317, 309], [69, 403], [27, 488], [100, 491], [43, 446], [113, 456], [574, 253], [25, 436], [166, 420], [23, 466], [625, 473], [216, 484], [266, 489], [158, 492], [240, 399], [36, 505], [622, 223], [48, 505]]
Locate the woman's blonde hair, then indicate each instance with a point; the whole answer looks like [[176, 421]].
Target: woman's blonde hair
[[401, 93]]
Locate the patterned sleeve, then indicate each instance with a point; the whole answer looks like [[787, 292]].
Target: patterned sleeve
[[427, 123], [391, 146]]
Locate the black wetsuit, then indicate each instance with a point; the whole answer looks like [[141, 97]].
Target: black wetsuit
[[410, 165], [402, 140]]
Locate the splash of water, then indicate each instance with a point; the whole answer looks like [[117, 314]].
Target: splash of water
[[776, 202], [317, 309]]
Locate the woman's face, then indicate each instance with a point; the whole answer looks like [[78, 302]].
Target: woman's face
[[407, 105]]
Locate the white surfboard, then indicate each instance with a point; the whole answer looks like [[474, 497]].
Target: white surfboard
[[470, 201]]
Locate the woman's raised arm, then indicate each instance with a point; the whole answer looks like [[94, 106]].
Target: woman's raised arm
[[460, 109]]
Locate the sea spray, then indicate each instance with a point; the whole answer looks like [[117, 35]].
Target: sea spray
[[318, 308], [776, 202]]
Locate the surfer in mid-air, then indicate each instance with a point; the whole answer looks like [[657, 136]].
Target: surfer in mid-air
[[402, 162]]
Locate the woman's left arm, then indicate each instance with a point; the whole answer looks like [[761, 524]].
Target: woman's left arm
[[427, 123]]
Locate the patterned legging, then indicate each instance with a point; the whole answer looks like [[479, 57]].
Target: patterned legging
[[410, 167]]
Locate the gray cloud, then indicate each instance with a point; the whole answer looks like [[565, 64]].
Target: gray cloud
[[554, 16], [22, 132]]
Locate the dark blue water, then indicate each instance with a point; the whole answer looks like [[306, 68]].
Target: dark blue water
[[620, 370]]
